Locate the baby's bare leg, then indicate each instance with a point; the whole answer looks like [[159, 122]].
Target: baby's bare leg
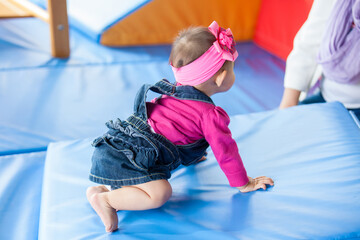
[[106, 213], [137, 197], [142, 196], [95, 189]]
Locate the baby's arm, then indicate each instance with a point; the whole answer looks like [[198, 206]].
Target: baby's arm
[[256, 183], [218, 135]]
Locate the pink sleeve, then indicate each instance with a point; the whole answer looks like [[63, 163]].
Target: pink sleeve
[[218, 135]]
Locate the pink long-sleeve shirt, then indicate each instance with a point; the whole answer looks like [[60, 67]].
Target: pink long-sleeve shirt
[[186, 121]]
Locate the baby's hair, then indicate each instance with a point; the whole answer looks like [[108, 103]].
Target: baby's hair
[[190, 44]]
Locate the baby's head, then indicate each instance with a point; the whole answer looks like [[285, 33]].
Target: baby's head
[[199, 53]]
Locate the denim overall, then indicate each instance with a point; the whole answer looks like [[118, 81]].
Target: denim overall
[[131, 153]]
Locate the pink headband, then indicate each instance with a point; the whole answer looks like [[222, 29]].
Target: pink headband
[[211, 61]]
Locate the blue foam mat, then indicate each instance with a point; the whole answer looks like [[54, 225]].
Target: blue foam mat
[[312, 152], [16, 141], [20, 192]]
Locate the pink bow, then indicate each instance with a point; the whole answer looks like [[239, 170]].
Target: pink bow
[[224, 43]]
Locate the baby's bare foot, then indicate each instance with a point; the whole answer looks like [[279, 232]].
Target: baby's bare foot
[[95, 189], [104, 210]]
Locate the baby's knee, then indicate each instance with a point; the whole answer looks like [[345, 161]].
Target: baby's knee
[[161, 195]]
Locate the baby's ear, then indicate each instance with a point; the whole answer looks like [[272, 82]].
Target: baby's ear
[[220, 77]]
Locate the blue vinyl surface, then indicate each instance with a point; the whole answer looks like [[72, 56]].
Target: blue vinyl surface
[[16, 141], [314, 163], [21, 178]]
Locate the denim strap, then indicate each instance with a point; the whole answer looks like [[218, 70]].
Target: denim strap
[[161, 87], [166, 88]]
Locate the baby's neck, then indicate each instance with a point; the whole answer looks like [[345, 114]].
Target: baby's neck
[[207, 91], [208, 88]]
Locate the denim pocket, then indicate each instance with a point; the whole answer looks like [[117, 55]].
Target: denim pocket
[[140, 157]]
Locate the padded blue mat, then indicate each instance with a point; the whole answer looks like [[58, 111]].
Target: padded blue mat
[[21, 178], [16, 141], [312, 152]]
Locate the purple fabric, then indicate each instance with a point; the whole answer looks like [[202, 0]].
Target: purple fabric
[[339, 52]]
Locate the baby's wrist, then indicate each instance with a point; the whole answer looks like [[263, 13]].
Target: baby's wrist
[[244, 186]]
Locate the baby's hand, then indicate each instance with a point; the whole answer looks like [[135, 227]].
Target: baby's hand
[[256, 183]]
